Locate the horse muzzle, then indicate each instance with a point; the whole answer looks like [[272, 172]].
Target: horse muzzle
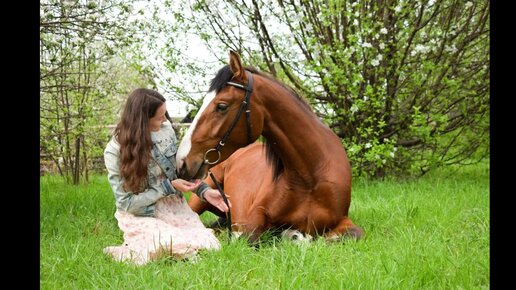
[[192, 170]]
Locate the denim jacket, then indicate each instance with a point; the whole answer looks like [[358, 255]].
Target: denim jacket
[[162, 163]]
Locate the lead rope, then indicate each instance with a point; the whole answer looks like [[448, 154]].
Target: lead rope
[[228, 213]]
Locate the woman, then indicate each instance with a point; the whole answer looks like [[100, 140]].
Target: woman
[[150, 208]]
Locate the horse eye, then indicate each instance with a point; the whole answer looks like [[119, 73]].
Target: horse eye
[[221, 107]]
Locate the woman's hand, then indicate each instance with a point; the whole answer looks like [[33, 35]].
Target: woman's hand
[[184, 186], [214, 197]]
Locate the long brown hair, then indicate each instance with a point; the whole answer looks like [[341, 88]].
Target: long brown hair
[[133, 135]]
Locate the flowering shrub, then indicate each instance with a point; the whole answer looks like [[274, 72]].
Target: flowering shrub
[[404, 84]]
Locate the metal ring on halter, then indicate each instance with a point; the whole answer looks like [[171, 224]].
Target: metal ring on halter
[[206, 159]]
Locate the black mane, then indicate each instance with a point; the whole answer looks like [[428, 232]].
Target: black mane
[[219, 82], [223, 76]]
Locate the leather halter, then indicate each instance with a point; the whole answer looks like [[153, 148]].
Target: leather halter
[[244, 105]]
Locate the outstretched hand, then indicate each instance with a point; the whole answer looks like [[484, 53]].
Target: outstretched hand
[[184, 185], [214, 197]]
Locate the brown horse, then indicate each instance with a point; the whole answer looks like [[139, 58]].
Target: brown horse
[[299, 179]]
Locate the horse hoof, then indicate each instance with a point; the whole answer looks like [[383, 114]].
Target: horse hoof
[[236, 235], [295, 236], [354, 232]]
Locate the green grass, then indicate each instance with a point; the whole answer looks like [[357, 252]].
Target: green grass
[[429, 233]]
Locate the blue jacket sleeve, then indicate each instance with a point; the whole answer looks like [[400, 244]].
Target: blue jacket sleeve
[[141, 204]]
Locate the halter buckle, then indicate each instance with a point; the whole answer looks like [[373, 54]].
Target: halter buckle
[[206, 161]]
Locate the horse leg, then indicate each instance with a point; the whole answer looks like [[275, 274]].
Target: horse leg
[[199, 206], [252, 228], [345, 228], [255, 226]]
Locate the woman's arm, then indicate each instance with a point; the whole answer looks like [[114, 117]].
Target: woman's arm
[[141, 204]]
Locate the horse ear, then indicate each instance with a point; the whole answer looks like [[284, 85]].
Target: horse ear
[[236, 66]]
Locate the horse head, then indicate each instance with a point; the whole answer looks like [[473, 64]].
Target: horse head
[[229, 118]]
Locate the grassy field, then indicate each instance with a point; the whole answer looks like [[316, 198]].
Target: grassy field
[[430, 233]]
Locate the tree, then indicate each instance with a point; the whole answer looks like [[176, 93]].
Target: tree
[[404, 84], [80, 71]]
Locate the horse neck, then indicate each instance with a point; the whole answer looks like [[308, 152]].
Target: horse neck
[[295, 132]]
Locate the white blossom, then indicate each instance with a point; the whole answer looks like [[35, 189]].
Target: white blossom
[[383, 30], [365, 98], [353, 109], [450, 48], [397, 9], [368, 145], [381, 45], [419, 49], [375, 62], [468, 4], [366, 44], [355, 22], [392, 154]]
